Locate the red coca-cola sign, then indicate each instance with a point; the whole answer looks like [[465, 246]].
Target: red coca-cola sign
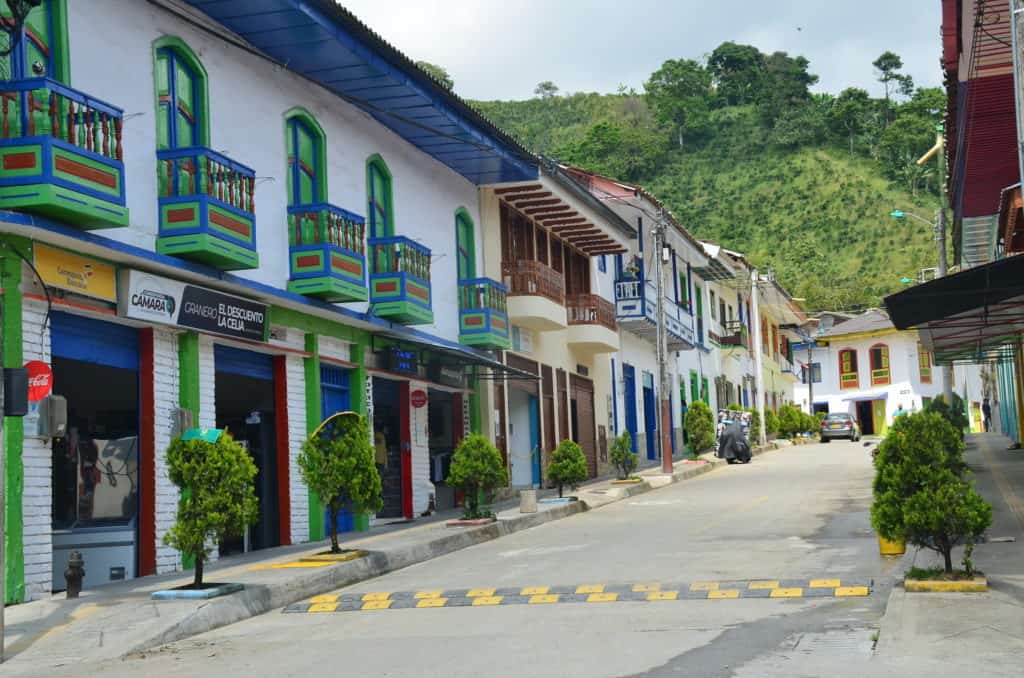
[[40, 380], [418, 398]]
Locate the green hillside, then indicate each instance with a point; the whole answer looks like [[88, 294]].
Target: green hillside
[[804, 185]]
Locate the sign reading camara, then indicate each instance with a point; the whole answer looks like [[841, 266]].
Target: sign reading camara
[[145, 296]]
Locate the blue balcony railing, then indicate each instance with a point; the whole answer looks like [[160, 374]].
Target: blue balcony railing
[[400, 279], [327, 252], [483, 313]]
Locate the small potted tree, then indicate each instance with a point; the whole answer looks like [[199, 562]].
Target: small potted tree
[[568, 466], [623, 458], [700, 427], [214, 475], [477, 470], [337, 463]]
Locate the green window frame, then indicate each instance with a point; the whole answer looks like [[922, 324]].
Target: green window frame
[[848, 369], [465, 245], [306, 148], [379, 198], [45, 43], [694, 387], [182, 95], [924, 364]]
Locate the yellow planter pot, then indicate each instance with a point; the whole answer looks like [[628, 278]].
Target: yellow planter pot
[[891, 548]]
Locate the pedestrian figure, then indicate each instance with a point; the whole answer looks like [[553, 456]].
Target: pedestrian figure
[[986, 414], [899, 411], [682, 410]]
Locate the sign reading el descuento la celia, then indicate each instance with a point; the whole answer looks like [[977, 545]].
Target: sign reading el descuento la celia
[[144, 296]]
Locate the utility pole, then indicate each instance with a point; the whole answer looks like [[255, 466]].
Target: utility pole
[[810, 374], [758, 376], [940, 234], [664, 442]]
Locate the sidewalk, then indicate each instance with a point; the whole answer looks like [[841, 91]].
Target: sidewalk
[[118, 619], [931, 634]]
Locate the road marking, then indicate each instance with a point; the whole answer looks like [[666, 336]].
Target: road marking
[[795, 592], [488, 600], [763, 584], [375, 597], [704, 586], [377, 605], [326, 598], [480, 593], [590, 588], [323, 607], [602, 597], [646, 588], [825, 584], [663, 595], [422, 595], [298, 564], [842, 591], [543, 599], [432, 602], [718, 594], [534, 590]]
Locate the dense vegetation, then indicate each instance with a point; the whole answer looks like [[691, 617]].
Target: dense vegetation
[[745, 155]]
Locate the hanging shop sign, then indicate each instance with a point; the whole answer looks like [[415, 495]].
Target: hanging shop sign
[[418, 398], [401, 360], [449, 376], [145, 296], [40, 380], [67, 271]]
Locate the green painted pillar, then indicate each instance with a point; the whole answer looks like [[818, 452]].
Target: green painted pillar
[[314, 413], [357, 385], [475, 403], [14, 468], [188, 395]]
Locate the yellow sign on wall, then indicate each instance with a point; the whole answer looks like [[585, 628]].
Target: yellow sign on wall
[[77, 274]]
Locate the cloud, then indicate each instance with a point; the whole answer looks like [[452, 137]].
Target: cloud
[[500, 50]]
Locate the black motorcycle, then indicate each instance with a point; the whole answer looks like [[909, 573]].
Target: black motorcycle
[[733, 445]]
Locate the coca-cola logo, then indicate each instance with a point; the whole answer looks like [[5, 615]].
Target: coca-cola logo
[[40, 380]]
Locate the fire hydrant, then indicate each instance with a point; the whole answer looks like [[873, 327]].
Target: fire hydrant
[[74, 574]]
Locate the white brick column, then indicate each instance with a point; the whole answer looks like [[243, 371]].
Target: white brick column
[[298, 491], [165, 401], [37, 457]]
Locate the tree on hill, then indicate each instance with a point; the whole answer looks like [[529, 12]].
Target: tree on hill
[[787, 84], [889, 65], [546, 89], [679, 93], [850, 112], [437, 73], [736, 71]]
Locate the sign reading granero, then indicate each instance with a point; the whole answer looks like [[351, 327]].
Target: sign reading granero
[[144, 296]]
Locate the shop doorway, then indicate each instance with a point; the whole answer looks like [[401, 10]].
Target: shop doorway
[[442, 432], [629, 388], [583, 421], [865, 418], [524, 438], [95, 472], [650, 419], [244, 392], [335, 397], [388, 443]]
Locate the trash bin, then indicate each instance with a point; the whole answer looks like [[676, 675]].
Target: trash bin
[[528, 501], [361, 522]]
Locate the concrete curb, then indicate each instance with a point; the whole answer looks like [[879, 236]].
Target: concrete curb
[[976, 585]]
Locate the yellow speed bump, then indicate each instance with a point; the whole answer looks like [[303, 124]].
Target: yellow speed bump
[[377, 605], [423, 595], [480, 593], [325, 598], [432, 602], [323, 607], [375, 597], [719, 594], [543, 598], [646, 588], [663, 595], [825, 584], [488, 600], [602, 597], [787, 593], [763, 584], [843, 591], [704, 586], [590, 588], [535, 591]]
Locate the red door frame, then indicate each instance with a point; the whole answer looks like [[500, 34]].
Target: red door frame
[[404, 414], [284, 505], [147, 454]]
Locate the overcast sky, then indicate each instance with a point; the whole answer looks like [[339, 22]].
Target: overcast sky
[[497, 49]]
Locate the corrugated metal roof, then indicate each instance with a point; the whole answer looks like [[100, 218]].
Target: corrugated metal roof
[[873, 320], [327, 44]]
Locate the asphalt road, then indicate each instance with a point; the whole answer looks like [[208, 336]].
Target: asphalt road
[[790, 516]]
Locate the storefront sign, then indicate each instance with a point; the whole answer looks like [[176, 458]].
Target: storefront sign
[[449, 376], [399, 360], [171, 302], [74, 273], [40, 380], [418, 398]]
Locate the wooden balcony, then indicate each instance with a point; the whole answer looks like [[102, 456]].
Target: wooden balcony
[[536, 295], [61, 154], [592, 326], [636, 311], [483, 314], [327, 253], [207, 213], [735, 336], [400, 280]]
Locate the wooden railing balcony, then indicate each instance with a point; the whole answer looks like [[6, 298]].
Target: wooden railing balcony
[[327, 252], [591, 309], [483, 314], [534, 278], [61, 152], [400, 279], [735, 334], [207, 208]]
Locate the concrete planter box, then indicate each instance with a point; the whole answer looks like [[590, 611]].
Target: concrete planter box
[[462, 522], [976, 585], [628, 481], [328, 557], [211, 591]]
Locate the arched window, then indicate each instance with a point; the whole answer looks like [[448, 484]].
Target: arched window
[[379, 198], [44, 51], [924, 364], [879, 357], [848, 369], [465, 243], [307, 158], [182, 116]]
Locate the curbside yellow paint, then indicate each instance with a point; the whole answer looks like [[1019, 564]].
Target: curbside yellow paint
[[323, 607], [480, 593], [646, 588], [602, 597], [763, 584], [325, 598], [842, 591], [663, 595], [704, 586], [432, 602], [375, 597], [824, 584], [534, 590], [787, 593], [590, 588], [298, 564], [721, 594], [488, 600], [377, 605], [979, 585], [423, 595], [543, 598]]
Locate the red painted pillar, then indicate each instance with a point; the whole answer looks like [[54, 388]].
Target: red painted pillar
[[405, 426], [284, 504], [147, 455]]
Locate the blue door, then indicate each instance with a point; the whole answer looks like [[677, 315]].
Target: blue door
[[535, 438], [629, 386], [334, 397], [650, 422]]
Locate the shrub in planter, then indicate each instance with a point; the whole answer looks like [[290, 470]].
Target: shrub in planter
[[957, 415], [700, 426], [810, 423], [622, 455], [217, 496], [477, 470], [947, 511], [819, 417], [338, 464], [568, 465], [771, 422], [790, 420], [755, 424]]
